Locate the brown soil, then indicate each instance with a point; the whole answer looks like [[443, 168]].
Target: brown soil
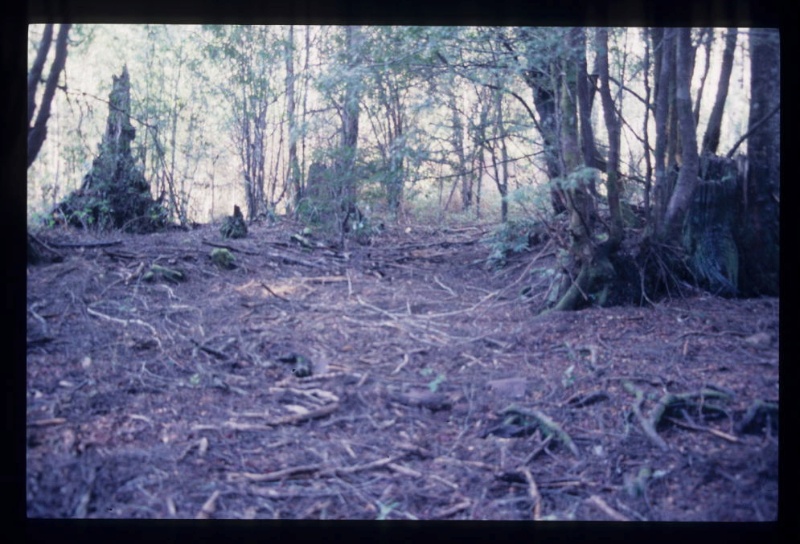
[[183, 400]]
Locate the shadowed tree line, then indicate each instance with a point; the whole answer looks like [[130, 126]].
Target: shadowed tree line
[[628, 232]]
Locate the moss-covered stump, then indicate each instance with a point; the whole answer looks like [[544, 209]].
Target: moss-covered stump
[[234, 225], [114, 193]]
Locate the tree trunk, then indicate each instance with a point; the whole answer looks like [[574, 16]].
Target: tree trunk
[[613, 128], [707, 38], [457, 143], [293, 181], [115, 193], [663, 41], [544, 92], [760, 207], [589, 267], [586, 90], [687, 177], [35, 75], [646, 125], [346, 160], [711, 138], [38, 131]]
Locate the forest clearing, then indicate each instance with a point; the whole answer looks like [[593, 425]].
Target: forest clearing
[[471, 273], [179, 399]]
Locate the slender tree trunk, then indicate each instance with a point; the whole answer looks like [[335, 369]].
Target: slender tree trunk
[[711, 138], [707, 39], [687, 178], [457, 142], [663, 69], [591, 156], [38, 131], [293, 181], [35, 75], [646, 125], [349, 131], [613, 128], [502, 173]]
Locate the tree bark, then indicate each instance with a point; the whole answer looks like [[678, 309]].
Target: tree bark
[[687, 178], [35, 75], [760, 208], [586, 88], [711, 138], [613, 128], [346, 161], [545, 95], [38, 131], [293, 183], [707, 38], [663, 40]]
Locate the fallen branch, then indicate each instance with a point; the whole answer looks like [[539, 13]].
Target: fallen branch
[[85, 244], [533, 493]]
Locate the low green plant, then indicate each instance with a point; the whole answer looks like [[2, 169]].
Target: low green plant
[[512, 237]]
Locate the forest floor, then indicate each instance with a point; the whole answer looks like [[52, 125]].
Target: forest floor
[[436, 392]]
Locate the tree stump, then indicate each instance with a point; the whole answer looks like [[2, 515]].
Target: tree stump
[[114, 193]]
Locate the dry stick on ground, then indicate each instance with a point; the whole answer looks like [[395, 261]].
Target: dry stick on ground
[[218, 354], [317, 468], [209, 506], [602, 505], [463, 505], [86, 244], [288, 420], [126, 322], [533, 492]]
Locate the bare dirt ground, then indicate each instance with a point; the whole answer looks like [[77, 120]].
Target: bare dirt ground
[[435, 392]]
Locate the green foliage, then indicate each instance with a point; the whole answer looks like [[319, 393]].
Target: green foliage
[[513, 237], [222, 258], [580, 177], [433, 385], [234, 226]]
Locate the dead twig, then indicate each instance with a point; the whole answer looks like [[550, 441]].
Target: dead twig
[[209, 506], [533, 492], [458, 507], [603, 505]]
